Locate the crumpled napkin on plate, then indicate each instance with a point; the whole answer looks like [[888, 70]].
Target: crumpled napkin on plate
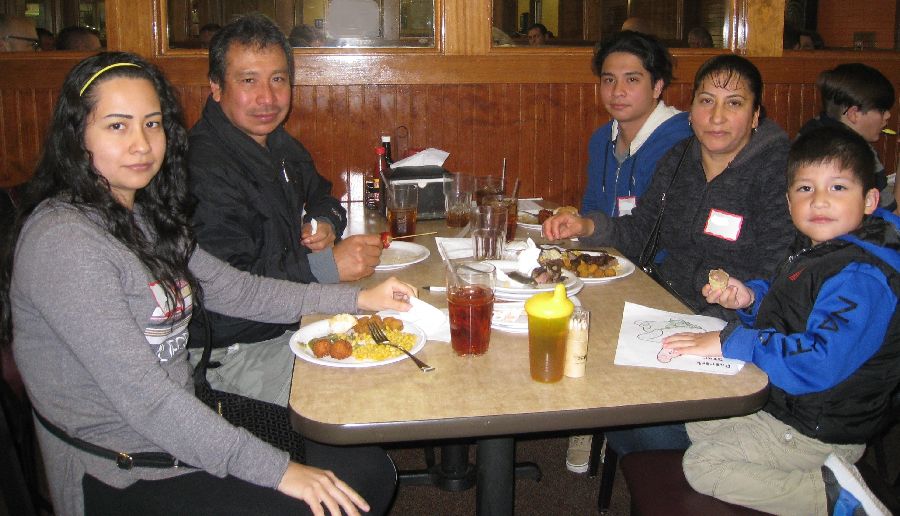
[[427, 157], [433, 321], [528, 258]]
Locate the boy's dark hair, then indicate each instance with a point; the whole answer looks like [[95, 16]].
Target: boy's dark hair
[[854, 84], [653, 54], [842, 146], [253, 30]]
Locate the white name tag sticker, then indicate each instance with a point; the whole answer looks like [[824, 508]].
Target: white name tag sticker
[[626, 204], [724, 225]]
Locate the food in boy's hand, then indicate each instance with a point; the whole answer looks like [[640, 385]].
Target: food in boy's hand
[[718, 279]]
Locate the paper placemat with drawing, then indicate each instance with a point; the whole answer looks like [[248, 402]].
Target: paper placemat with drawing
[[642, 332]]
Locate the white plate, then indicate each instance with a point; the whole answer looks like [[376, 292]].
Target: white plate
[[511, 287], [523, 296], [501, 318], [321, 328], [527, 225], [402, 254], [624, 268]]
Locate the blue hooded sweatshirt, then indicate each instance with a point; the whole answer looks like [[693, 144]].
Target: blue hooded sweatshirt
[[608, 180]]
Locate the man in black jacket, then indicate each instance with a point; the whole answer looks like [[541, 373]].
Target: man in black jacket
[[260, 199]]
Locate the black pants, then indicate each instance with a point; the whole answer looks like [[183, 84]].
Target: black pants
[[368, 470]]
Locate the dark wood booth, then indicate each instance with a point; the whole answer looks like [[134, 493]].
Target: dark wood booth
[[535, 107]]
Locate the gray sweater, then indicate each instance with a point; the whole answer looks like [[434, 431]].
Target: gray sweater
[[752, 187], [103, 358]]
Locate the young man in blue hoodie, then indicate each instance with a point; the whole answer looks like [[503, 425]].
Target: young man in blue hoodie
[[634, 70], [827, 333]]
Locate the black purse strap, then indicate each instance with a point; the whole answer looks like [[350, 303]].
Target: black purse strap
[[123, 460], [650, 246], [200, 370]]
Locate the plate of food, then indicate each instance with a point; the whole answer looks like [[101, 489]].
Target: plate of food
[[344, 341], [591, 267], [534, 220], [509, 289], [401, 254]]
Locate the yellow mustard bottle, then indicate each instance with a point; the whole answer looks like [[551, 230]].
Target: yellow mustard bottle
[[548, 328]]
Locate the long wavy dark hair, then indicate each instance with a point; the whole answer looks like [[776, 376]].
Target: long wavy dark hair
[[65, 171]]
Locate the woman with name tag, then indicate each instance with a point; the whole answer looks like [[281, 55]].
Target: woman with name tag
[[716, 202], [718, 196]]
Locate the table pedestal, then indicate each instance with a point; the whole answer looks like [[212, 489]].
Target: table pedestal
[[494, 467]]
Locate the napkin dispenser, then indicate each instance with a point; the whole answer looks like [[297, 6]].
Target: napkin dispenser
[[430, 180]]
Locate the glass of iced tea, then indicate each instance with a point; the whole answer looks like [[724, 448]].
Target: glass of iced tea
[[458, 190], [487, 185], [511, 204], [470, 298], [402, 209]]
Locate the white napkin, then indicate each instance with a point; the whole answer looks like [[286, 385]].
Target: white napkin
[[456, 247], [427, 157], [433, 321], [528, 258]]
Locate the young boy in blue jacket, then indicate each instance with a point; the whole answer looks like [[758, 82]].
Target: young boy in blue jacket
[[826, 332]]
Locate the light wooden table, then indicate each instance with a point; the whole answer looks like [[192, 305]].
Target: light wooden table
[[492, 397]]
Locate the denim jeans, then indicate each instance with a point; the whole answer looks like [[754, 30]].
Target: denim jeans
[[651, 437]]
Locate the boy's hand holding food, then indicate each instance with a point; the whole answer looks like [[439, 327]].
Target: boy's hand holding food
[[727, 291], [391, 294]]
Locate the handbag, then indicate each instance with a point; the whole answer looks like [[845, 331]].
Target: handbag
[[648, 253], [267, 421]]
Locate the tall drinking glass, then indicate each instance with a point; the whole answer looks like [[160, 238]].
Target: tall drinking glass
[[488, 232], [487, 185], [470, 298], [402, 209], [458, 190]]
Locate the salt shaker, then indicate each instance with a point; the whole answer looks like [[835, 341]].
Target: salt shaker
[[576, 345]]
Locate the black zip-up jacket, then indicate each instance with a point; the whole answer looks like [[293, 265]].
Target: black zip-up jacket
[[752, 187], [832, 352], [249, 205]]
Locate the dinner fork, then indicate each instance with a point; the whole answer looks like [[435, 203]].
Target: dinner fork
[[379, 337]]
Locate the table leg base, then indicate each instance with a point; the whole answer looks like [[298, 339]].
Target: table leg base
[[455, 473]]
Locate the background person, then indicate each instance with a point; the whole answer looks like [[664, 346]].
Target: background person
[[537, 35], [100, 331], [825, 332], [17, 34], [725, 207], [46, 38], [699, 37], [860, 97], [81, 39], [207, 32], [257, 190], [637, 24]]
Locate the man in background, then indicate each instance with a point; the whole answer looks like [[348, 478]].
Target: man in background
[[17, 34], [81, 39], [537, 35], [207, 32], [48, 41]]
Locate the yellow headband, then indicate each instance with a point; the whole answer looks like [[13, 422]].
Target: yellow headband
[[99, 72]]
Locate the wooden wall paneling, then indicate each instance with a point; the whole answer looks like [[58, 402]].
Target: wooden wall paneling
[[534, 183]]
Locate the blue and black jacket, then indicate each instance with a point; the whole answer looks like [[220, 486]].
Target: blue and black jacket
[[827, 332]]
